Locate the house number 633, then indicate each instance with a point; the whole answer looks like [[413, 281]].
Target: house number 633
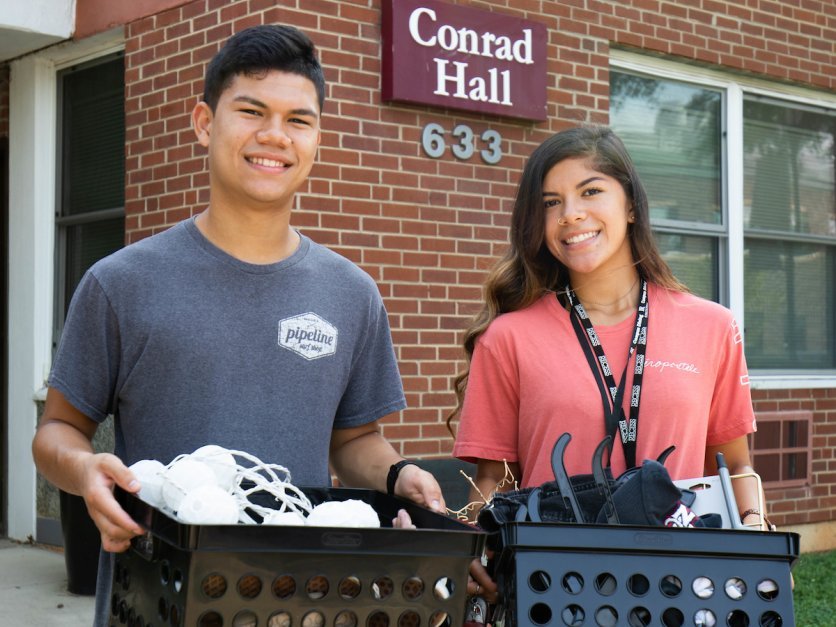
[[434, 144]]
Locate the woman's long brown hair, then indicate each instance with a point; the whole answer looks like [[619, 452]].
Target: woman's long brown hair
[[527, 270]]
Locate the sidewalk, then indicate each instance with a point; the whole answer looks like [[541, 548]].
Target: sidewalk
[[33, 589]]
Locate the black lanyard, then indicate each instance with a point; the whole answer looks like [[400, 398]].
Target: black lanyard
[[588, 338]]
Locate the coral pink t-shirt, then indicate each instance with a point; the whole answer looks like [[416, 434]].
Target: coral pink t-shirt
[[530, 382]]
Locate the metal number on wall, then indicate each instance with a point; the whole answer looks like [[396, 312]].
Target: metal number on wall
[[464, 143]]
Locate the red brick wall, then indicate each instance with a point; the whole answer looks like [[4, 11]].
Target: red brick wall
[[816, 502], [426, 229]]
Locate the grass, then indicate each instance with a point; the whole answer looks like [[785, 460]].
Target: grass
[[815, 589]]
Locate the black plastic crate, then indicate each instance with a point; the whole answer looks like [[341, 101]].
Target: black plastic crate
[[295, 576], [599, 575]]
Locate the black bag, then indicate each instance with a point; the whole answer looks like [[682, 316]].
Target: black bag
[[644, 495]]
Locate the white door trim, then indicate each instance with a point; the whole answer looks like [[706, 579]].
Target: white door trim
[[32, 201]]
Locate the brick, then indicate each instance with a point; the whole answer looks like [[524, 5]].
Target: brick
[[408, 212], [418, 448], [382, 257], [353, 142], [399, 242]]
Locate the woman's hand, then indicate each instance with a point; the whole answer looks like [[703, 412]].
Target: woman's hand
[[480, 583]]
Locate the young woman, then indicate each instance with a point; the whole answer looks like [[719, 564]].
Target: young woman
[[583, 305]]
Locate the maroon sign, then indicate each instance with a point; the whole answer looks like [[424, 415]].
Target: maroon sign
[[446, 55]]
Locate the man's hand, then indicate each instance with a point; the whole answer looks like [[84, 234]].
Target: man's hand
[[361, 457], [403, 521], [420, 486], [101, 473], [64, 455]]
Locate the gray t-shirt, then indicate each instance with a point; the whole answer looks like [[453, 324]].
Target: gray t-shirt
[[186, 345]]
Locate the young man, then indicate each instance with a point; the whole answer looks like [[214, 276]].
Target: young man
[[230, 328]]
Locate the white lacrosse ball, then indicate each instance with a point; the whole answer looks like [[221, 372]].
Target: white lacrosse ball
[[767, 589], [287, 518], [703, 587], [350, 513], [735, 588], [221, 461], [441, 589], [208, 505], [149, 473], [183, 476]]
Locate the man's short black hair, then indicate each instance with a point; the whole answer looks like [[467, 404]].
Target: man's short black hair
[[258, 50]]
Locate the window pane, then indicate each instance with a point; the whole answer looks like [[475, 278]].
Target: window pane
[[768, 466], [794, 466], [693, 260], [789, 174], [768, 435], [86, 244], [789, 309], [673, 133], [795, 433], [93, 146]]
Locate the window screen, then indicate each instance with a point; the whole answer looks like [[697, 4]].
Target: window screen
[[790, 236]]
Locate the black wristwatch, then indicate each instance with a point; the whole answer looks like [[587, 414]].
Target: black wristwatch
[[394, 471]]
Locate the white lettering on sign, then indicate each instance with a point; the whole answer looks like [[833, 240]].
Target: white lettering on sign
[[476, 87], [453, 78], [468, 41]]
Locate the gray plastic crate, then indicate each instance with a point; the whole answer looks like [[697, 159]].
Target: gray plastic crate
[[599, 575], [252, 576]]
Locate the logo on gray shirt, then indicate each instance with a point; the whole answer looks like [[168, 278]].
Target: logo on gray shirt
[[308, 335]]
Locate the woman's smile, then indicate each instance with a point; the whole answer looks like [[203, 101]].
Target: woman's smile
[[582, 237]]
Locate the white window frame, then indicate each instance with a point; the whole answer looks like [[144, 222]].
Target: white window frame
[[734, 88], [33, 118]]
